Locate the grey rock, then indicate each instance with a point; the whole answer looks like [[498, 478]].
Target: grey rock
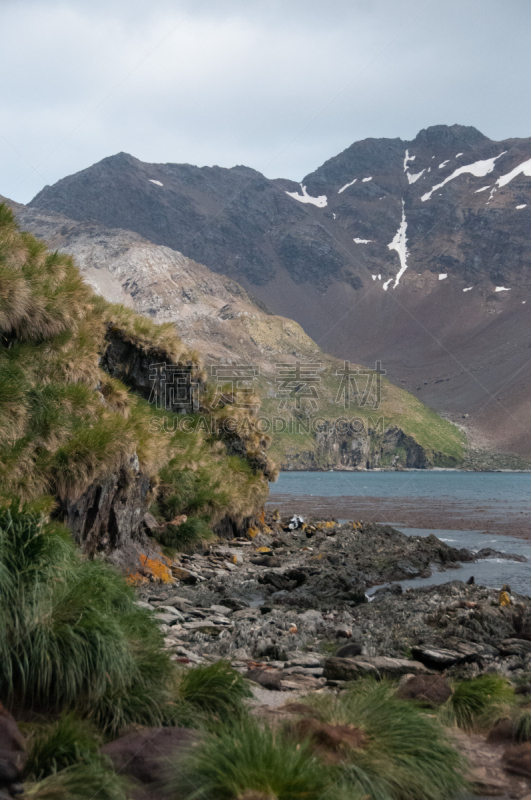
[[378, 666], [350, 650], [437, 658]]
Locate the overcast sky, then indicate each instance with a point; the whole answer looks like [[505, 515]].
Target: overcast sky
[[278, 85]]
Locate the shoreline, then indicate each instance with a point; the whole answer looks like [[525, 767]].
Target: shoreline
[[411, 512], [408, 469]]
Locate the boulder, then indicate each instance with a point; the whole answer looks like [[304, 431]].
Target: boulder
[[269, 679], [349, 669], [502, 731], [12, 754], [184, 575], [330, 742], [436, 657], [279, 582], [429, 690], [517, 759], [343, 633], [149, 755], [350, 650], [514, 647]]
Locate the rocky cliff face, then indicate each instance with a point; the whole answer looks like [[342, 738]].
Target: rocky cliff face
[[391, 448], [414, 253]]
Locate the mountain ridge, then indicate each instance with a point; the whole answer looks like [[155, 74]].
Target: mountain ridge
[[419, 247]]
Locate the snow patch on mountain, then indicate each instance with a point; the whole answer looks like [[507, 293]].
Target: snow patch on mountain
[[364, 180], [444, 163], [362, 241], [157, 183], [524, 205], [501, 289], [479, 169], [443, 276], [386, 284], [483, 189], [320, 201], [347, 185], [458, 155], [399, 244], [412, 178], [407, 158], [468, 289], [521, 169]]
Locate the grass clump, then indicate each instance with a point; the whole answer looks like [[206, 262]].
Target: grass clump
[[522, 727], [95, 780], [407, 755], [71, 636], [216, 689], [476, 704], [186, 535], [59, 745], [248, 761]]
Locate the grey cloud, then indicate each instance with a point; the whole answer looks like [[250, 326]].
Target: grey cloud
[[280, 85]]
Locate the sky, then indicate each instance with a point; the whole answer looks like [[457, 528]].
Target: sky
[[277, 85]]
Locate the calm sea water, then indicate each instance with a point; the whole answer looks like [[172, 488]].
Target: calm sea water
[[487, 488], [514, 487]]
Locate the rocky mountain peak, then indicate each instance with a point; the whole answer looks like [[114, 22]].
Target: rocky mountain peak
[[450, 136]]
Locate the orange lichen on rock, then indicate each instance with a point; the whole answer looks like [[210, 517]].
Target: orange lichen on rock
[[135, 579], [157, 568]]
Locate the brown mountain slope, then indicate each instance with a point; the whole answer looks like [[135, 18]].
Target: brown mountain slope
[[392, 251]]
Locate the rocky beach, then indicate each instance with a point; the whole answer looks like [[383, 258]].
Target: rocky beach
[[293, 599]]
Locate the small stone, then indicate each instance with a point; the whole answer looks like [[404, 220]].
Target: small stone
[[223, 610], [171, 610], [184, 575], [167, 619], [142, 604]]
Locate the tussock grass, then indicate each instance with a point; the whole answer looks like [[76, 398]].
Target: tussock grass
[[146, 334], [522, 727], [187, 535], [216, 689], [408, 755], [203, 480], [95, 780], [71, 636], [248, 760], [65, 424], [59, 745], [476, 704]]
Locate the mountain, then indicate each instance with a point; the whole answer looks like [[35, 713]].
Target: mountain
[[224, 324], [413, 253]]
